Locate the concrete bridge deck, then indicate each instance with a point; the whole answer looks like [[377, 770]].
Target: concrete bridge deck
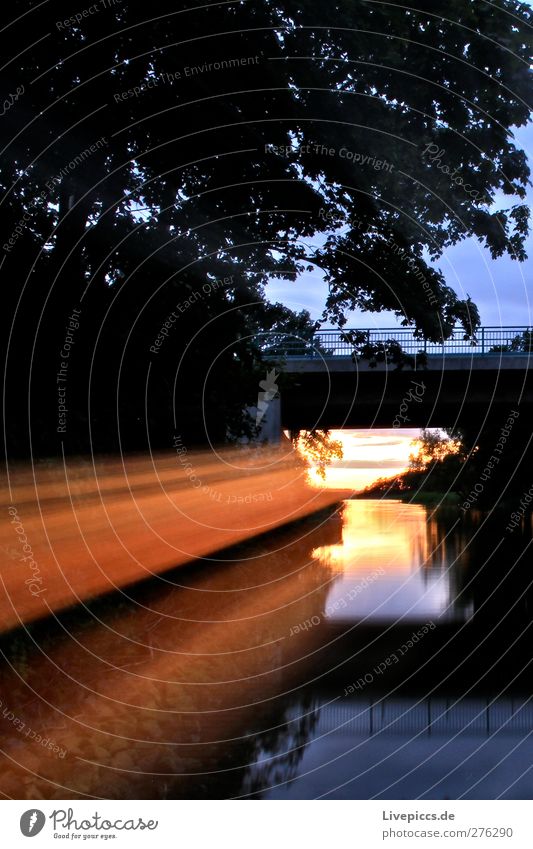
[[457, 381], [433, 362]]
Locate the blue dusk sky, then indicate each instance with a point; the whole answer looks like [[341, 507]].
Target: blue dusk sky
[[501, 288]]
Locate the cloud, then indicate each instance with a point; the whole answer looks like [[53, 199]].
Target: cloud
[[375, 441], [387, 463]]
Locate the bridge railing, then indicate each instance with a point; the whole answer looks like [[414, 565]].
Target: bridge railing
[[337, 343]]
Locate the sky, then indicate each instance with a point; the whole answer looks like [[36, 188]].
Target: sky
[[503, 292], [368, 455]]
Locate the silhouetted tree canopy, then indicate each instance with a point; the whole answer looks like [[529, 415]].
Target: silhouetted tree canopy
[[177, 158]]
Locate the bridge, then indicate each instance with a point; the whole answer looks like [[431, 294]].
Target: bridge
[[454, 381], [487, 342]]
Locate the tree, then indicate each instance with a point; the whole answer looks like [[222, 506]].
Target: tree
[[432, 447], [436, 466], [521, 343], [146, 157], [318, 449]]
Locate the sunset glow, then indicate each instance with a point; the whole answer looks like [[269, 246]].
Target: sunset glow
[[382, 542], [368, 455]]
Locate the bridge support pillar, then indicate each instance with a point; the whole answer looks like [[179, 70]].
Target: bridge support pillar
[[268, 420]]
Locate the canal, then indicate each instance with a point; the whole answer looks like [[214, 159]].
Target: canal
[[378, 650]]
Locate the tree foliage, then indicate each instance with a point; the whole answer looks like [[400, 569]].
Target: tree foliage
[[318, 449], [152, 153], [521, 343], [434, 446]]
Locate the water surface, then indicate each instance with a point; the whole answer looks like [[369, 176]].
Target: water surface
[[383, 651]]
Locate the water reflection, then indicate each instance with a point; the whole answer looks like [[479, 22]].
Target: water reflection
[[233, 680], [164, 691], [398, 558], [399, 749]]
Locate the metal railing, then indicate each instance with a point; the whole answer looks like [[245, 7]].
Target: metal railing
[[433, 716], [338, 343]]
